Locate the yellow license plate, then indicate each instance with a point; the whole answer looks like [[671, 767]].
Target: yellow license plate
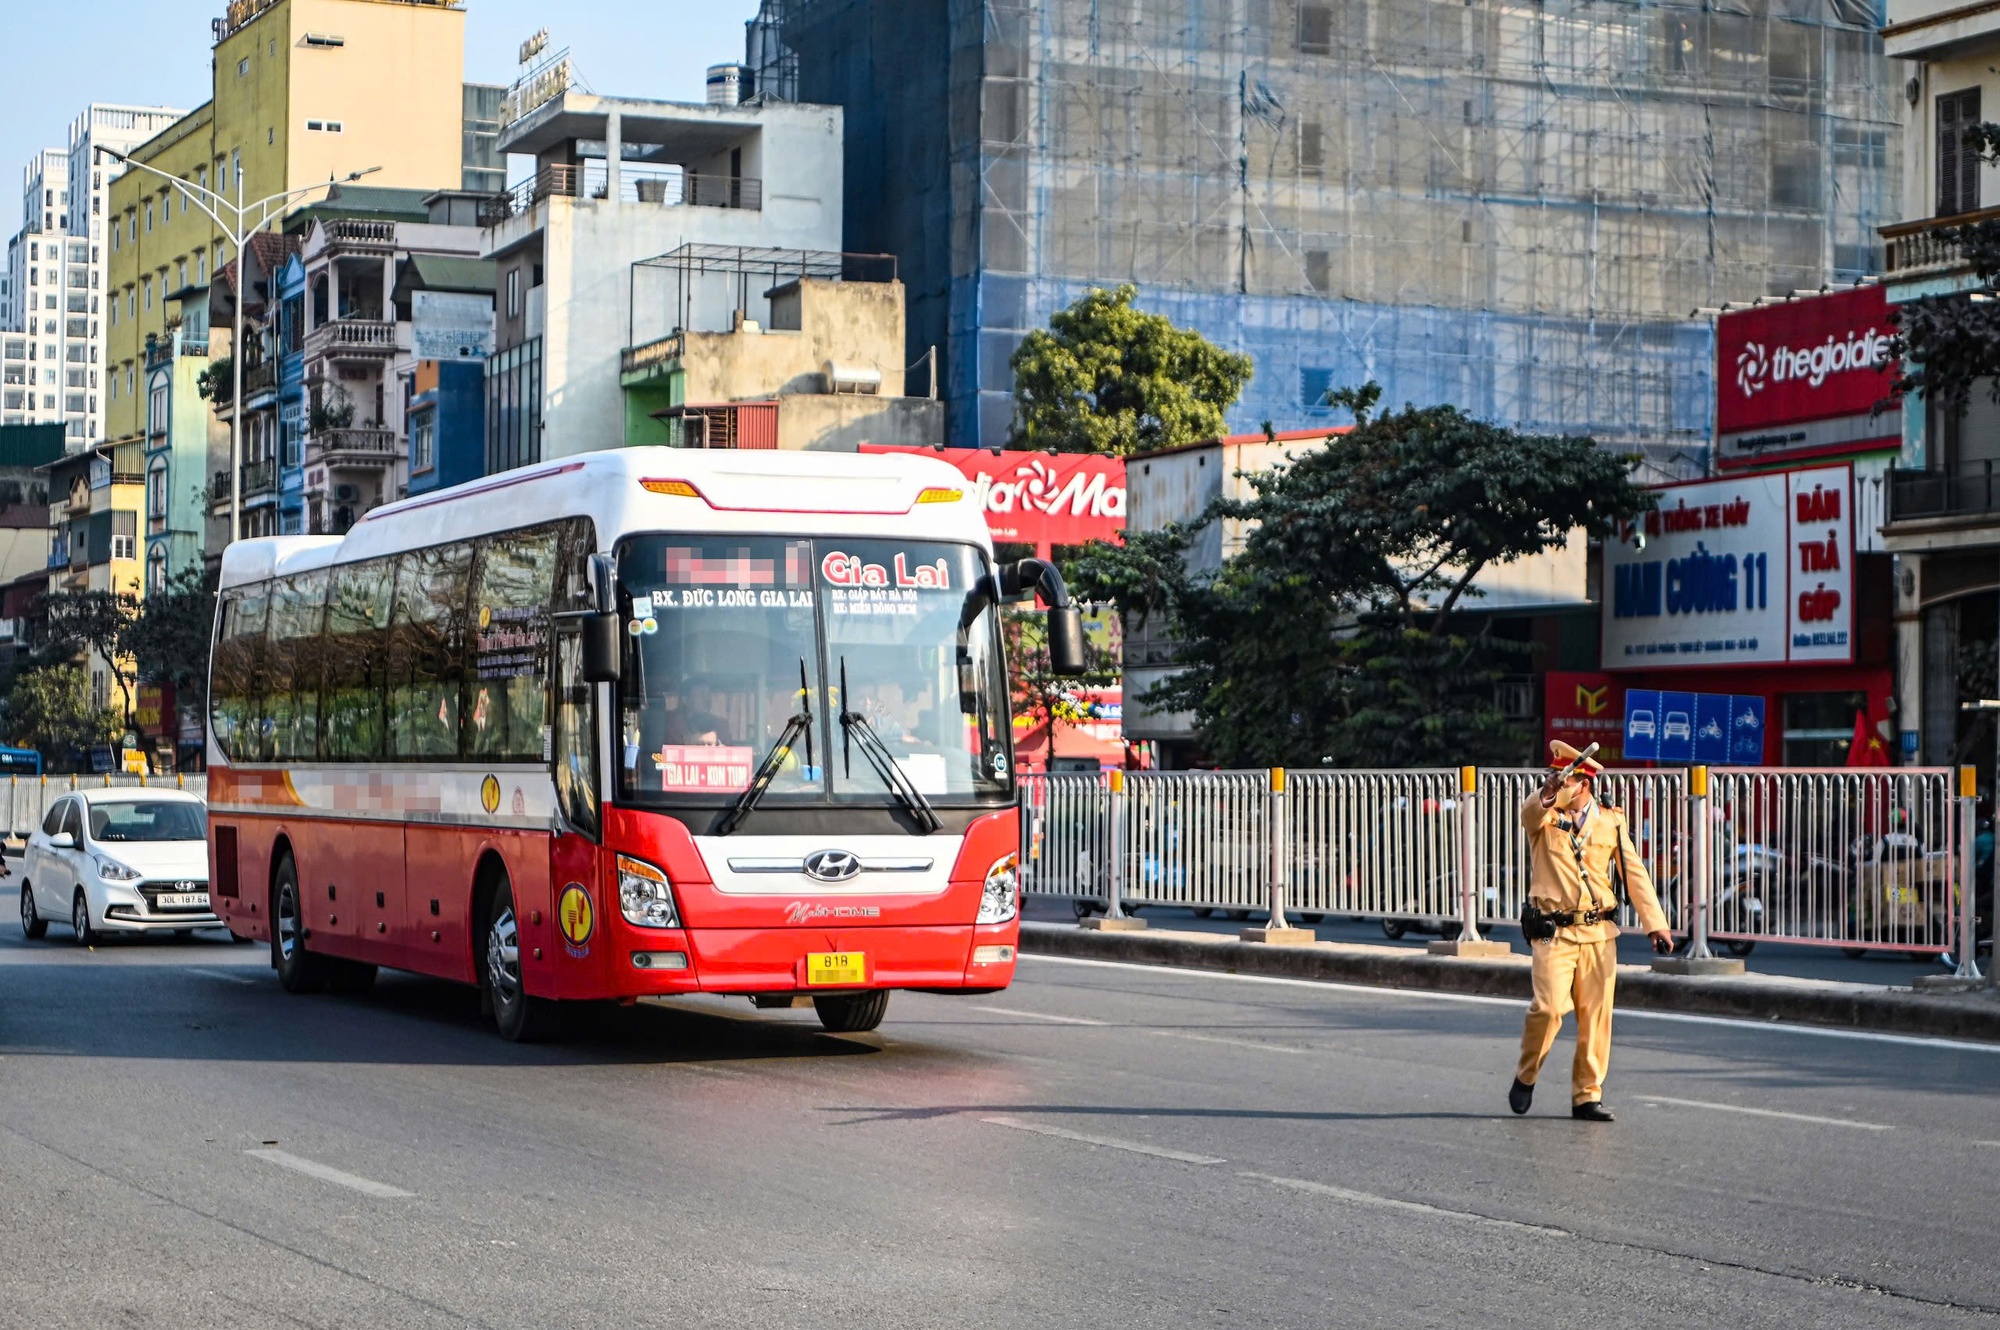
[[836, 969]]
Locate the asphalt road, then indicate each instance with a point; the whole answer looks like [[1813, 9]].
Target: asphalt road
[[183, 1145], [1798, 961]]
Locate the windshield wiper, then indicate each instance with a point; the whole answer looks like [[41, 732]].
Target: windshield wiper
[[774, 761], [854, 725]]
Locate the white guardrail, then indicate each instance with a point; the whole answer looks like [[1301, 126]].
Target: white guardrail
[[26, 799], [1859, 859]]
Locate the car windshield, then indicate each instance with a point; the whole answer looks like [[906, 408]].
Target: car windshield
[[728, 638], [157, 820]]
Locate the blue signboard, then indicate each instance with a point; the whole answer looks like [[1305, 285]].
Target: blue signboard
[[1713, 728]]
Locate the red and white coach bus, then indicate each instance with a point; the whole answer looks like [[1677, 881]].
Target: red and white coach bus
[[631, 723]]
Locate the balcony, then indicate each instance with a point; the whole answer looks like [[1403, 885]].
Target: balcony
[[1929, 246], [651, 356], [352, 447], [352, 235], [639, 183], [352, 339], [259, 477], [260, 378], [1971, 490]]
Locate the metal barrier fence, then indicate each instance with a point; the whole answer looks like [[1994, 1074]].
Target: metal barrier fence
[[25, 800], [1851, 858]]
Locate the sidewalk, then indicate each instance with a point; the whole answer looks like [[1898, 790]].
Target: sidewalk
[[1974, 1015]]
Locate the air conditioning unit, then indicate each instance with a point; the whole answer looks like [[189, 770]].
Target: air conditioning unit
[[346, 493]]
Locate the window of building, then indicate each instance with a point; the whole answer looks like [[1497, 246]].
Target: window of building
[[324, 39], [123, 547], [243, 67], [326, 126], [1312, 148], [513, 293], [1819, 728], [1316, 29], [147, 285], [423, 442], [156, 571], [201, 268], [270, 134], [236, 166], [156, 489], [149, 216], [1957, 160]]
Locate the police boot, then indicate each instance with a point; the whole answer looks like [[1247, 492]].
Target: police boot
[[1519, 1096], [1591, 1111]]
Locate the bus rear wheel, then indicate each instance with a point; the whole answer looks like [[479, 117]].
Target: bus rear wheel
[[521, 1019], [852, 1013], [299, 971]]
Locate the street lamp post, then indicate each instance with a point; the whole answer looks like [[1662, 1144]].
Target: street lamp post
[[213, 203]]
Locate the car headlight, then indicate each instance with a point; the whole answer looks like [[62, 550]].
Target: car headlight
[[1001, 900], [113, 871], [645, 895]]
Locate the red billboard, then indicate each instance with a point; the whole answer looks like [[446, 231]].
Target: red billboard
[[1040, 499], [1802, 378]]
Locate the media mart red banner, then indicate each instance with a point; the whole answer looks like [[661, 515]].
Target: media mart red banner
[[1040, 499]]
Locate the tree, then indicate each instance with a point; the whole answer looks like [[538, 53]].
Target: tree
[[1339, 634], [1041, 696], [49, 709], [1948, 344], [214, 383], [1107, 378], [97, 622], [169, 638]]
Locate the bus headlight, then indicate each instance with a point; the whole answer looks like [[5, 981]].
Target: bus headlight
[[645, 896], [1001, 900]]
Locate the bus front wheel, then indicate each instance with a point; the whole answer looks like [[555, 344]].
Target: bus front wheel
[[852, 1013], [520, 1018], [299, 971]]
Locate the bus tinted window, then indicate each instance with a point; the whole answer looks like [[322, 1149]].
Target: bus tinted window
[[507, 688], [292, 667], [233, 702], [427, 651], [356, 659]]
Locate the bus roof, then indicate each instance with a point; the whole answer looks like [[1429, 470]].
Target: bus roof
[[625, 490]]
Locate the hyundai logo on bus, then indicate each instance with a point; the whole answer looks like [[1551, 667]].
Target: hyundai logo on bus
[[832, 866]]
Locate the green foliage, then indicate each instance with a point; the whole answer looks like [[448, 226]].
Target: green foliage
[[213, 384], [48, 709], [1107, 378], [1948, 344], [95, 622], [1041, 694], [1339, 635], [168, 640]]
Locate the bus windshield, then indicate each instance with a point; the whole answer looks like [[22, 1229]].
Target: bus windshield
[[891, 644]]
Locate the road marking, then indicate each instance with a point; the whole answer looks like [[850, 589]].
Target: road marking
[[1634, 1013], [1108, 1142], [1039, 1016], [1260, 1046], [326, 1174], [1413, 1207], [1765, 1113], [219, 974]]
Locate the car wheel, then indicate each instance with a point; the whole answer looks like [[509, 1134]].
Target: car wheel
[[1393, 929], [1854, 953], [1201, 912], [79, 921], [1312, 917], [1238, 915], [33, 926], [1739, 946], [521, 1019], [852, 1013], [299, 971]]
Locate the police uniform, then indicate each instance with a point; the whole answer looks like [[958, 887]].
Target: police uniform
[[1570, 873]]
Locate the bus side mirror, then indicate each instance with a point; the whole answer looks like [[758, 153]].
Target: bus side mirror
[[602, 650], [1066, 641]]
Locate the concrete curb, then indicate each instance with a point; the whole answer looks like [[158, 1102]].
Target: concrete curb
[[1974, 1015]]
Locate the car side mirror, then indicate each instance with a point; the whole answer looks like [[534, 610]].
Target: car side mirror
[[62, 840], [1066, 641], [603, 654]]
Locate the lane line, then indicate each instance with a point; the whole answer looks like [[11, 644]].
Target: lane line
[[1039, 1016], [223, 975], [1108, 1142], [365, 1186], [1477, 999], [1233, 1043], [1765, 1113], [1411, 1207]]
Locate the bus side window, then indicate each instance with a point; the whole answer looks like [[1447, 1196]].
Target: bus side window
[[427, 641], [234, 691], [292, 667], [506, 688], [356, 659]]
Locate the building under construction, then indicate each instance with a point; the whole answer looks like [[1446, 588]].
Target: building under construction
[[1514, 206]]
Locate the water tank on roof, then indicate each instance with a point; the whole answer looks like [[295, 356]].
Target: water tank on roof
[[725, 85], [864, 380]]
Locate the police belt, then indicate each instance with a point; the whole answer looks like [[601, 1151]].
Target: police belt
[[1577, 918]]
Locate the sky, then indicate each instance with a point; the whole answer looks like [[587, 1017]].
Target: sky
[[156, 53]]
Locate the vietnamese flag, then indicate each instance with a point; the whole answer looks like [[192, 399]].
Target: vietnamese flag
[[1866, 748]]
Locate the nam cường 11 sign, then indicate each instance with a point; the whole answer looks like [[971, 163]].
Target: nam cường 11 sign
[[1716, 729], [1748, 570]]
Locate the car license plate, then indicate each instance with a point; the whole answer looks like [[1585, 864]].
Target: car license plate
[[181, 900], [836, 969]]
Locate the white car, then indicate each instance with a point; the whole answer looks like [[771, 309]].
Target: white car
[[118, 861]]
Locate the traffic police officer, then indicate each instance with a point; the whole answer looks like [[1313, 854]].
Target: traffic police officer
[[1574, 842]]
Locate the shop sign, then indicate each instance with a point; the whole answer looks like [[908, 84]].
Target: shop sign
[[1749, 570], [1714, 728], [1040, 499], [1803, 378], [1585, 708]]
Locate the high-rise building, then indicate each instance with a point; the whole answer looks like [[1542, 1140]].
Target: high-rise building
[[1513, 208], [52, 293]]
